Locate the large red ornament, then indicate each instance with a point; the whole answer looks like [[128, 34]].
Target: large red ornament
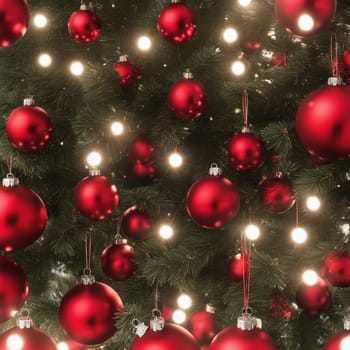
[[314, 14], [177, 23], [323, 123], [87, 312], [13, 21], [187, 98], [339, 341], [136, 223], [172, 337], [245, 151], [22, 215], [346, 59], [128, 72], [96, 197], [140, 173], [84, 26], [13, 288], [28, 127], [236, 267], [276, 194], [142, 149], [233, 338], [336, 268]]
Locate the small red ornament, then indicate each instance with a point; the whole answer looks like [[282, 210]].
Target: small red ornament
[[212, 201], [336, 268], [313, 299], [177, 23], [279, 59], [280, 307], [142, 174], [304, 17], [29, 127], [136, 223], [70, 344], [323, 123], [171, 337], [13, 21], [129, 73], [96, 197], [187, 98], [251, 46], [84, 26], [236, 267], [22, 215], [346, 59], [339, 341], [245, 151], [142, 149], [276, 194], [87, 312]]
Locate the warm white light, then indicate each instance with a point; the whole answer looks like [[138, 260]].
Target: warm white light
[[244, 2], [230, 35], [184, 301], [62, 346], [345, 228], [252, 232], [345, 343], [117, 128], [238, 68], [299, 235], [175, 160], [166, 231], [14, 342], [306, 23], [94, 159], [40, 20], [144, 43], [310, 277], [313, 203], [77, 68], [45, 60], [179, 316]]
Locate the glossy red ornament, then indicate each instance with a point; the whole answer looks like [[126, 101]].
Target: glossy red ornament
[[346, 59], [279, 59], [136, 223], [141, 149], [96, 197], [177, 23], [290, 12], [336, 268], [336, 342], [233, 338], [172, 337], [251, 46], [142, 174], [245, 151], [87, 312], [314, 299], [13, 21], [236, 267], [13, 288], [280, 307], [128, 72], [28, 128], [323, 123], [84, 26], [70, 344], [276, 194]]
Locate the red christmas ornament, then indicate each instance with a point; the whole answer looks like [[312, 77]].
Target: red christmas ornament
[[171, 337], [96, 197], [336, 268], [187, 98], [143, 174], [304, 17], [280, 308], [236, 267], [84, 26], [22, 215], [177, 23], [87, 312], [251, 46], [279, 59], [29, 127], [339, 341], [14, 21], [128, 72], [276, 194], [212, 201], [142, 149], [136, 223], [323, 123], [13, 288], [346, 59], [70, 344], [245, 151], [314, 299]]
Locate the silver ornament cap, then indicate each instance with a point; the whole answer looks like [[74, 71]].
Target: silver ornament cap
[[187, 74], [214, 170], [87, 278], [10, 180], [335, 81]]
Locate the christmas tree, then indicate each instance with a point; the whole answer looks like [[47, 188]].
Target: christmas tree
[[128, 104]]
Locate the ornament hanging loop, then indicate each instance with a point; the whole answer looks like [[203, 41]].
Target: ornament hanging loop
[[335, 80], [245, 106]]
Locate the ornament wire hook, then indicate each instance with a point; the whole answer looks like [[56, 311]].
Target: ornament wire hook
[[245, 107]]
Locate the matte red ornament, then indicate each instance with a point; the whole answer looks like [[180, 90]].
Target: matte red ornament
[[177, 23], [245, 151], [276, 194], [314, 299], [279, 59], [13, 21], [251, 46], [142, 149], [233, 338], [136, 223], [70, 344], [336, 342], [236, 267], [346, 59], [336, 268], [87, 312], [13, 288], [142, 174], [128, 72], [280, 307], [172, 337], [84, 26], [28, 127], [323, 123], [290, 12], [96, 197]]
